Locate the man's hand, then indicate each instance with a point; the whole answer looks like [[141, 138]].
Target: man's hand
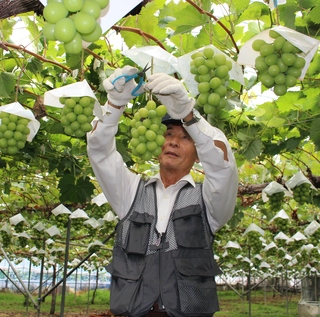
[[119, 91], [171, 93]]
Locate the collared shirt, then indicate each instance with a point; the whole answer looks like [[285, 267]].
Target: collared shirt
[[119, 184]]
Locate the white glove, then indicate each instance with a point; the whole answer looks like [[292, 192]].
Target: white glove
[[120, 91], [172, 93]]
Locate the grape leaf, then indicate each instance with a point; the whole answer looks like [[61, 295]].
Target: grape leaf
[[7, 84], [75, 190]]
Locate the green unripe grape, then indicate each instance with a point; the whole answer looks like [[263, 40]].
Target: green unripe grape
[[203, 87], [143, 112], [256, 44], [273, 34], [222, 71], [271, 59], [161, 111], [208, 109], [64, 30], [290, 81], [210, 63], [198, 61], [151, 105], [48, 31], [220, 59], [141, 148], [273, 70], [287, 47], [278, 43], [280, 90], [214, 99], [102, 3], [203, 98], [55, 11], [288, 59], [94, 35], [203, 70], [280, 79], [208, 52], [215, 82], [204, 78], [266, 49], [300, 62], [152, 145]]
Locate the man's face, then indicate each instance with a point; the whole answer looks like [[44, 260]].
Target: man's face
[[178, 152]]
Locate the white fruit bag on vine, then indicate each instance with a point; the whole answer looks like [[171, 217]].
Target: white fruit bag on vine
[[17, 109], [272, 188], [79, 89], [306, 44], [297, 180]]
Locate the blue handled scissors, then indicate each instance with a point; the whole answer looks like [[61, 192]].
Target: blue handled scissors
[[140, 74]]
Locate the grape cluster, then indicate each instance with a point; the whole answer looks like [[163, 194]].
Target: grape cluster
[[77, 224], [5, 238], [276, 201], [211, 73], [61, 220], [278, 64], [282, 224], [271, 252], [314, 254], [92, 232], [76, 115], [22, 241], [71, 21], [94, 248], [13, 133], [315, 238], [253, 240], [19, 227], [147, 131], [301, 193]]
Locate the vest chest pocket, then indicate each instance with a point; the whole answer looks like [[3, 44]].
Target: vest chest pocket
[[138, 234], [189, 228]]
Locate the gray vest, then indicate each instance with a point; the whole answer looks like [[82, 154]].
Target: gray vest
[[177, 268]]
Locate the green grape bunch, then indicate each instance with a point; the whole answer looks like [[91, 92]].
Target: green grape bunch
[[147, 130], [76, 115], [73, 21], [22, 241], [302, 193], [94, 248], [13, 133], [77, 224], [61, 220], [211, 72], [315, 237], [282, 224], [278, 64], [253, 240], [276, 201], [5, 238]]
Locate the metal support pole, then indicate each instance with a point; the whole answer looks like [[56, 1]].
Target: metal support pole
[[65, 271], [17, 275]]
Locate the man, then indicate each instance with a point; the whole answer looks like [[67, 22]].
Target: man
[[162, 259]]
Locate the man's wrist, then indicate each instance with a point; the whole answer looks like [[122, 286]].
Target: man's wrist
[[193, 117], [115, 106]]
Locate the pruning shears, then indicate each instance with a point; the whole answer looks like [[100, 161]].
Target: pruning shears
[[140, 75]]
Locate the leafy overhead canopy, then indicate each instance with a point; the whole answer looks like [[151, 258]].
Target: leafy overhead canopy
[[273, 137]]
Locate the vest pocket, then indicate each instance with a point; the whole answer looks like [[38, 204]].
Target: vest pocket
[[189, 228], [126, 284], [137, 238], [196, 286]]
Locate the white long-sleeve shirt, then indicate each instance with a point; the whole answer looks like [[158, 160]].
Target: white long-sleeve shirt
[[119, 184]]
